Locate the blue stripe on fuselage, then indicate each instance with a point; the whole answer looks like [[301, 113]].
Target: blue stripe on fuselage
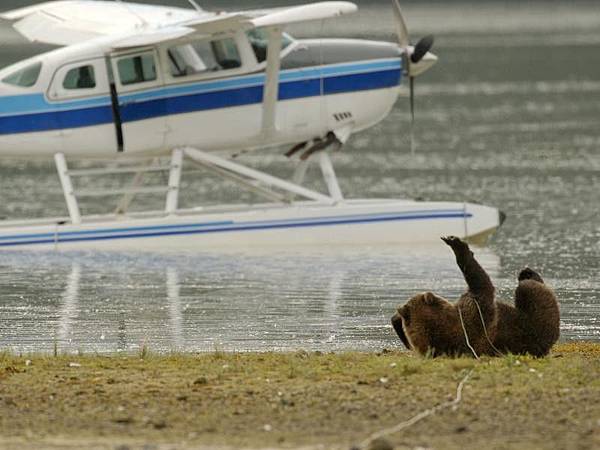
[[31, 113]]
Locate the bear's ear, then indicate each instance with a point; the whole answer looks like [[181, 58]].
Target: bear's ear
[[430, 299]]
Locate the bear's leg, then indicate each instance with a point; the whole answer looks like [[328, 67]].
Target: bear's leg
[[530, 274], [480, 285], [539, 311]]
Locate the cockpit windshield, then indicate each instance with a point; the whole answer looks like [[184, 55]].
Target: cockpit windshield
[[26, 77], [259, 40]]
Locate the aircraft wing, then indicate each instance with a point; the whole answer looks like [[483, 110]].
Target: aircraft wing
[[73, 21]]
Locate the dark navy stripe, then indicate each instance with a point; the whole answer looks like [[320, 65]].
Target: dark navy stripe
[[362, 82], [242, 227], [56, 120], [131, 112]]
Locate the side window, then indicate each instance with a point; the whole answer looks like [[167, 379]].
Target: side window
[[259, 40], [26, 77], [203, 56], [80, 78], [137, 69]]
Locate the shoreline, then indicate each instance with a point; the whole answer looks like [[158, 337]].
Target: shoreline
[[307, 400]]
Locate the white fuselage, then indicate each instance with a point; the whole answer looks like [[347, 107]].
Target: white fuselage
[[208, 109]]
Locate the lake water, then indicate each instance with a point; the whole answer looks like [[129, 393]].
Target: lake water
[[509, 117]]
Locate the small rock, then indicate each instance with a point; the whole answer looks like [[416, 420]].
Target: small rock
[[383, 380], [72, 364], [393, 365], [159, 424], [201, 381], [268, 428], [28, 362], [124, 420], [381, 444]]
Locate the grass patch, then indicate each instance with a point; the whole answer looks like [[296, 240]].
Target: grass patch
[[286, 400]]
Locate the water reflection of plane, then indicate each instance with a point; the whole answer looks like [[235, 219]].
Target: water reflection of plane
[[175, 313], [69, 307], [339, 301], [70, 311]]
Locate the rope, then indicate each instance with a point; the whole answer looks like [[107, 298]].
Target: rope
[[462, 322], [422, 415], [485, 329]]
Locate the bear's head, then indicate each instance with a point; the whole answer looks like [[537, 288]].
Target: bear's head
[[421, 319]]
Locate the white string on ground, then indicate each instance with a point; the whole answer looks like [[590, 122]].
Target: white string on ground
[[422, 415], [462, 322]]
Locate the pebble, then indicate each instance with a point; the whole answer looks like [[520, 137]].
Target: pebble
[[201, 380], [381, 444], [72, 364], [267, 428], [159, 424]]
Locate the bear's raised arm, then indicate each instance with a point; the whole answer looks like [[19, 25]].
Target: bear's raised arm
[[477, 279]]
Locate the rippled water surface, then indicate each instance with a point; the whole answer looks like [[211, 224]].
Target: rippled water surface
[[509, 117]]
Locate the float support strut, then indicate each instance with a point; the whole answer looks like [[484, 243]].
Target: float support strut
[[260, 177], [329, 175], [174, 181], [67, 187]]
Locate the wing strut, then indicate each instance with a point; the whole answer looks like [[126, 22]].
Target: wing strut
[[271, 91], [114, 100]]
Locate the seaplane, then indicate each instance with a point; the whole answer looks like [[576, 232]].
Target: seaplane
[[147, 88]]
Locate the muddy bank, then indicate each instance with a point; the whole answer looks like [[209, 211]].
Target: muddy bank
[[293, 400]]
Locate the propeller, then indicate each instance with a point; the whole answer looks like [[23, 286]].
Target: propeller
[[411, 59]]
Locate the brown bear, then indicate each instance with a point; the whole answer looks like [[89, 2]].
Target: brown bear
[[430, 324]]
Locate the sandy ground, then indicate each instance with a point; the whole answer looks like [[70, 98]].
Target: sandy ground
[[300, 400]]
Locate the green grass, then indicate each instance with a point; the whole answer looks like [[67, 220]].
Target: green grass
[[287, 400]]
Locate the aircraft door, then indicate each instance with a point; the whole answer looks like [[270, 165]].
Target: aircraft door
[[80, 92], [138, 101]]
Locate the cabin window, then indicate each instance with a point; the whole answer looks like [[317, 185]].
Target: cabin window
[[26, 77], [203, 56], [259, 40], [137, 69], [80, 78]]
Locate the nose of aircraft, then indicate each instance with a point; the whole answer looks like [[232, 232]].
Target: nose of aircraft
[[424, 64]]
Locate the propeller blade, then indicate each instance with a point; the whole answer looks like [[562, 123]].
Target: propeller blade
[[412, 115], [421, 49], [401, 28]]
